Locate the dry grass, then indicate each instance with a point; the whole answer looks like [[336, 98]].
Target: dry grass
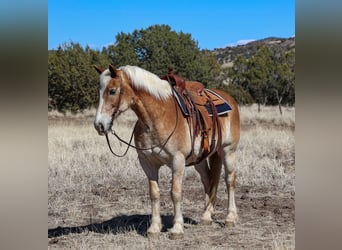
[[269, 117], [97, 201]]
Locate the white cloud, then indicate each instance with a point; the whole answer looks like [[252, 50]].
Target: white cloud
[[243, 42], [240, 42]]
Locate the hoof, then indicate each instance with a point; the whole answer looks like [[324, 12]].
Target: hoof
[[153, 236], [229, 224], [206, 222], [176, 236]]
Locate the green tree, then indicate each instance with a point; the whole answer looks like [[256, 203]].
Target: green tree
[[158, 47], [240, 81], [259, 75], [228, 80], [268, 77], [283, 80], [72, 82]]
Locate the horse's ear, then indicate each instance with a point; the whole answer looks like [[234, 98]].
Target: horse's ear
[[112, 71], [99, 69]]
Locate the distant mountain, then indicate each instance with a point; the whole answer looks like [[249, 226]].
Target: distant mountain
[[227, 55]]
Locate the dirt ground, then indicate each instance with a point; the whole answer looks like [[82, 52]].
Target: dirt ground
[[263, 213]]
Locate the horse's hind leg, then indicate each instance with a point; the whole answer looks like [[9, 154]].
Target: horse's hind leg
[[210, 179], [229, 167], [152, 175], [203, 170]]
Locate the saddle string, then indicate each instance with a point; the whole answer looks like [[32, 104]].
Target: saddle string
[[129, 144]]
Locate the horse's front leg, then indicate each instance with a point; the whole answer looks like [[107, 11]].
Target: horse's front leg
[[178, 166], [151, 172]]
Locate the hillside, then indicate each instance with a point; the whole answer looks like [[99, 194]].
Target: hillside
[[228, 54]]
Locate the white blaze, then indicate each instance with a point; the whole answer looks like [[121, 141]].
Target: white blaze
[[103, 118]]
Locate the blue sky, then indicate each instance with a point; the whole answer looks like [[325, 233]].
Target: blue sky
[[213, 24]]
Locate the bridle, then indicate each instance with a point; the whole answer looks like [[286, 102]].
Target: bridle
[[129, 143]]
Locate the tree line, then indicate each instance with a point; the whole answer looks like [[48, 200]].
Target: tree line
[[265, 78]]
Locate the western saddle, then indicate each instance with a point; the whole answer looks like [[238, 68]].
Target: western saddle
[[202, 108]]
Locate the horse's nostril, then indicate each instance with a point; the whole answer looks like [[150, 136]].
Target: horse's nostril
[[101, 128]]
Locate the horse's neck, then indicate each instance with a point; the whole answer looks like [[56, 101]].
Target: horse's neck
[[150, 110]]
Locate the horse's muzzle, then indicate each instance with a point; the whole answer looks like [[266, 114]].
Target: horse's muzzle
[[100, 128]]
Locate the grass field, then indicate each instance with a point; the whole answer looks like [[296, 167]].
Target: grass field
[[97, 201]]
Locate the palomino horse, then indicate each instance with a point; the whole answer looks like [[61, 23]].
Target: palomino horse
[[162, 137]]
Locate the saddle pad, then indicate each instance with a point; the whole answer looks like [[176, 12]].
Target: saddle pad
[[221, 108], [180, 102]]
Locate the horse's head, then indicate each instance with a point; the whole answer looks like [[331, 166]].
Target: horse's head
[[112, 101]]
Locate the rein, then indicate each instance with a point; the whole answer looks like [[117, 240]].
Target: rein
[[111, 150], [129, 144]]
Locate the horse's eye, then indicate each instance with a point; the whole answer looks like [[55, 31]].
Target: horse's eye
[[112, 91]]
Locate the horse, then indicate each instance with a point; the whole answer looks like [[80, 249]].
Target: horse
[[162, 137]]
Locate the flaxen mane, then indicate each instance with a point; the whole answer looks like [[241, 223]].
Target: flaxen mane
[[143, 79]]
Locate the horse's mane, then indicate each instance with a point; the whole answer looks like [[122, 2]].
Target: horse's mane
[[143, 79]]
